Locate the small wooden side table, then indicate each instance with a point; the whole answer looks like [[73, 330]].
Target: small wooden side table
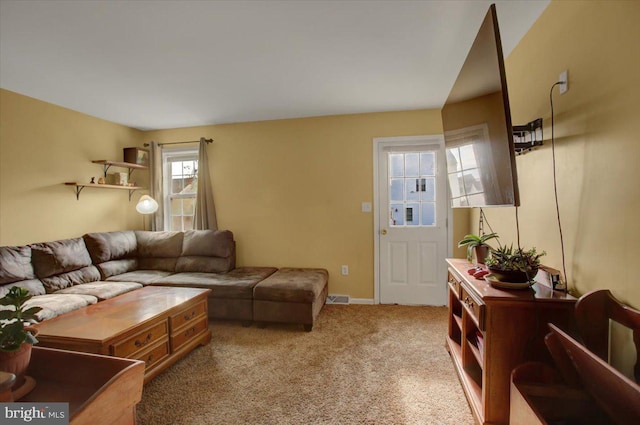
[[100, 390]]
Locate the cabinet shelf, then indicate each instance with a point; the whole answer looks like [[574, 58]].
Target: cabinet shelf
[[80, 186], [476, 353]]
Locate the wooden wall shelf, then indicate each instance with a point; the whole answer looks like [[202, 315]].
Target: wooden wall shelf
[[106, 164], [80, 186]]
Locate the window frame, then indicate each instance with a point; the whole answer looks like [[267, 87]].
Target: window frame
[[170, 155]]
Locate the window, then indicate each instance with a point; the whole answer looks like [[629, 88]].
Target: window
[[464, 176], [180, 177], [412, 189]]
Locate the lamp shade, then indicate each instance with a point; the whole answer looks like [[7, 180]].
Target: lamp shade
[[147, 205]]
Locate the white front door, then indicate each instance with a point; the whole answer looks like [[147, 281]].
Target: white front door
[[411, 214]]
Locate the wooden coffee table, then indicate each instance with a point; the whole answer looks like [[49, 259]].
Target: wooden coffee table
[[156, 324]]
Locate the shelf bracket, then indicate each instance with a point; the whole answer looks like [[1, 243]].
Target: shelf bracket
[[131, 193], [78, 190], [106, 167]]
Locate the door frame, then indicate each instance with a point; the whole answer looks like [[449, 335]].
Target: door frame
[[431, 139]]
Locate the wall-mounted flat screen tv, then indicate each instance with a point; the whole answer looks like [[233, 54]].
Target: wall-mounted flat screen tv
[[478, 134]]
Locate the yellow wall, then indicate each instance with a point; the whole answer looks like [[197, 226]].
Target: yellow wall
[[43, 145], [597, 143], [291, 190]]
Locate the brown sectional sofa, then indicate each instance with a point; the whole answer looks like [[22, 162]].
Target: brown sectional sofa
[[69, 274]]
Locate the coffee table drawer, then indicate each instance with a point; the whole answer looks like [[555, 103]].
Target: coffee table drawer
[[141, 340], [177, 320], [154, 354], [185, 334]]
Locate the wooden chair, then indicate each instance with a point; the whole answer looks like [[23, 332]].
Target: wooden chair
[[583, 387], [593, 311]]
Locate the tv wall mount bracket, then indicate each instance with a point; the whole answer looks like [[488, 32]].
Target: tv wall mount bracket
[[527, 137]]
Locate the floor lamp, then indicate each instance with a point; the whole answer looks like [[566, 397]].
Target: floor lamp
[[146, 205]]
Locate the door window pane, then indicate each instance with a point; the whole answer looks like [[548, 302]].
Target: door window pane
[[412, 189], [396, 165], [428, 214]]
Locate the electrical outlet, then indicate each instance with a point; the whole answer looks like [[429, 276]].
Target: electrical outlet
[[564, 78], [345, 270]]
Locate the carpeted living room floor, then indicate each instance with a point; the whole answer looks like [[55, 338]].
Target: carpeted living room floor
[[361, 364]]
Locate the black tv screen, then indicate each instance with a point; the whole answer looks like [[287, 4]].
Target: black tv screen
[[481, 167]]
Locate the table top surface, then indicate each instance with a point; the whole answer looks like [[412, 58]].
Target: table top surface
[[541, 290], [112, 317]]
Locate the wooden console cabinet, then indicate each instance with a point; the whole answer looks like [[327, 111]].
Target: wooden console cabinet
[[491, 331]]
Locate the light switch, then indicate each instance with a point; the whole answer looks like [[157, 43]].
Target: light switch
[[366, 207]]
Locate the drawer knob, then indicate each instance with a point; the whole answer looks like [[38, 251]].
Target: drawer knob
[[139, 343], [190, 316], [190, 332], [149, 359]]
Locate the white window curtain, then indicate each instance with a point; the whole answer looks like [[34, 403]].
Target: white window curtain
[[205, 211], [155, 185]]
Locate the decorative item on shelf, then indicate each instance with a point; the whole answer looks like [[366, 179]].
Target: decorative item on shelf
[[93, 180], [509, 265], [101, 180], [118, 179], [477, 244], [17, 338], [137, 156]]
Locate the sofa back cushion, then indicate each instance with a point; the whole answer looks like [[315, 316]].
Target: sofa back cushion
[[207, 251], [63, 263], [158, 250], [113, 252], [16, 270]]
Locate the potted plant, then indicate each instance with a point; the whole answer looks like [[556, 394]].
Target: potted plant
[[478, 244], [514, 265], [16, 337]]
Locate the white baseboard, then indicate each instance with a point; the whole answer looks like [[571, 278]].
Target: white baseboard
[[361, 301]]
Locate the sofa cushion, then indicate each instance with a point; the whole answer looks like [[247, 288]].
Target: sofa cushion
[[15, 264], [34, 286], [292, 285], [60, 264], [158, 250], [238, 283], [53, 258], [115, 267], [208, 251], [56, 304], [108, 246], [16, 270], [101, 290], [145, 277], [76, 277]]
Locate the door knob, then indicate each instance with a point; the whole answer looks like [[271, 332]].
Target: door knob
[[383, 231]]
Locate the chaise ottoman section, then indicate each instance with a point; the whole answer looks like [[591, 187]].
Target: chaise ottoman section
[[232, 293], [291, 295]]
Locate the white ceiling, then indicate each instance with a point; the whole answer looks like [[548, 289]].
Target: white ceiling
[[166, 64]]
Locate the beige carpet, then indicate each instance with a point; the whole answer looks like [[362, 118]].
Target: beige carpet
[[359, 365]]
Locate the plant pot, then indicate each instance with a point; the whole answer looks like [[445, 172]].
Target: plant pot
[[513, 276], [481, 252], [16, 362]]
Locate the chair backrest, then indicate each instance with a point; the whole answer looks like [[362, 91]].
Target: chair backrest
[[593, 311], [616, 394]]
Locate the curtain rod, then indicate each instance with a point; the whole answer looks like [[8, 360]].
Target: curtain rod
[[180, 143]]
